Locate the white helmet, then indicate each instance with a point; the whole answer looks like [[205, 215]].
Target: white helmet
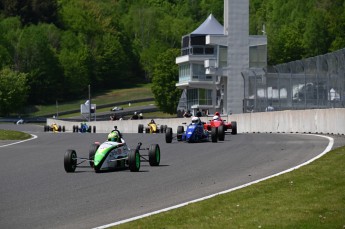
[[216, 117], [195, 120]]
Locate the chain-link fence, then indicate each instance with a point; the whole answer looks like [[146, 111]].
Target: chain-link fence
[[316, 82]]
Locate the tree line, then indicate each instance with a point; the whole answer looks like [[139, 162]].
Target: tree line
[[51, 50]]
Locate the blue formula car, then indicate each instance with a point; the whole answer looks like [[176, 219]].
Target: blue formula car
[[83, 128], [195, 133]]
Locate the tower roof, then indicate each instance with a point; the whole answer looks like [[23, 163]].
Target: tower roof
[[209, 26]]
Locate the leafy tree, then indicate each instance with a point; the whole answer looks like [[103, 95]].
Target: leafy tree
[[165, 76], [316, 38], [13, 91], [75, 59], [36, 57], [32, 11]]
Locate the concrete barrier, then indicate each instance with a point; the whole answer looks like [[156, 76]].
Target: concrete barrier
[[325, 121]]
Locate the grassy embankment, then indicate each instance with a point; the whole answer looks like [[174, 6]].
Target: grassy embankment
[[141, 91], [13, 135], [310, 197]]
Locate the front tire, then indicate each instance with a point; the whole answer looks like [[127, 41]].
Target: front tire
[[154, 155], [168, 135], [70, 161], [134, 161]]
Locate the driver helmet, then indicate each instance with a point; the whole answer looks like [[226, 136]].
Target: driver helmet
[[216, 117], [217, 113], [152, 121], [113, 136], [195, 120]]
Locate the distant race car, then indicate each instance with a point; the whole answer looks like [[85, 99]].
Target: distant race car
[[113, 154], [83, 128], [116, 109], [195, 133], [152, 127], [222, 126], [54, 128]]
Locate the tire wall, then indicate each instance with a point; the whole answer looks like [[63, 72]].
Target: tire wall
[[327, 121]]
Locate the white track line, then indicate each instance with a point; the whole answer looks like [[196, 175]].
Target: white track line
[[328, 148], [32, 138]]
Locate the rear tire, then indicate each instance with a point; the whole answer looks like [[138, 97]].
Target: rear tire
[[168, 135], [214, 134], [70, 161], [134, 161], [94, 129], [63, 129], [92, 152], [221, 133], [140, 128], [180, 130], [233, 127], [154, 155]]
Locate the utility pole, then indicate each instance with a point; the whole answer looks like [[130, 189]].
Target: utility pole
[[89, 103], [57, 109]]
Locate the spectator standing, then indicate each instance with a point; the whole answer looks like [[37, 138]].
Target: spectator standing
[[187, 114], [198, 113], [135, 116]]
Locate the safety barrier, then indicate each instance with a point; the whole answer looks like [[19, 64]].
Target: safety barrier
[[321, 121]]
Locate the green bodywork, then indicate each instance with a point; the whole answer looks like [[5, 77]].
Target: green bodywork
[[102, 154]]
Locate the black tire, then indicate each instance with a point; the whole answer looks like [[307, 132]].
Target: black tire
[[94, 129], [233, 127], [59, 129], [45, 128], [168, 135], [89, 129], [63, 129], [214, 134], [134, 161], [147, 130], [180, 130], [221, 133], [92, 152], [70, 161], [140, 128], [154, 155]]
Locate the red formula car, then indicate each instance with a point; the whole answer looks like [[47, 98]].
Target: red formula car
[[222, 125]]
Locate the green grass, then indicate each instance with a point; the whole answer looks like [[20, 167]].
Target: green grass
[[142, 91], [310, 197], [13, 135]]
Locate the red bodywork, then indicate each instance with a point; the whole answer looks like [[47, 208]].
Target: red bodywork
[[217, 123]]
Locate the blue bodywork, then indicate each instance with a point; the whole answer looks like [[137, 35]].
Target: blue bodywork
[[84, 128], [195, 133]]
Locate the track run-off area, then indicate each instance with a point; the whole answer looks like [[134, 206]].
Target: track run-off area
[[36, 192]]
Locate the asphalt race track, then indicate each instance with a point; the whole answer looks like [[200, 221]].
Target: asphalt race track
[[36, 192]]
